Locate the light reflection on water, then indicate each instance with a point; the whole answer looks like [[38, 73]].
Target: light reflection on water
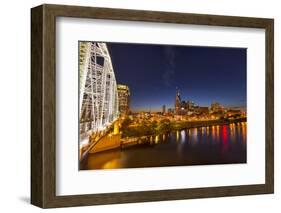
[[195, 146]]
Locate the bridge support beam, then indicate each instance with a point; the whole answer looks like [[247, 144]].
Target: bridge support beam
[[110, 141]]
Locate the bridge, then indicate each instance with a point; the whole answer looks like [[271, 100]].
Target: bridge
[[98, 99]]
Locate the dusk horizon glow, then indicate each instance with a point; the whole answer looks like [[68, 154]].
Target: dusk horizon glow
[[202, 74]]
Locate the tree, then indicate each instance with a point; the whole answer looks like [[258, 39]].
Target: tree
[[164, 126], [127, 122], [153, 127]]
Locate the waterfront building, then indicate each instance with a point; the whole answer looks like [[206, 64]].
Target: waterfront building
[[123, 99], [233, 113], [216, 107], [164, 109], [184, 107], [190, 105], [178, 103], [202, 110], [170, 111]]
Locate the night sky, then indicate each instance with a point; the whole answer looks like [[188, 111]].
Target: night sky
[[202, 74]]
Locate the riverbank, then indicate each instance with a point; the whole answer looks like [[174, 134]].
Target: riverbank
[[195, 124], [176, 126], [220, 144]]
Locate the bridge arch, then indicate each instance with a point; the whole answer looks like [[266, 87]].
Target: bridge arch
[[98, 98]]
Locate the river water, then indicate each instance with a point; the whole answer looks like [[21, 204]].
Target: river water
[[223, 144]]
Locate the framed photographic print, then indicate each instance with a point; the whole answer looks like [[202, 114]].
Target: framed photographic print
[[135, 106]]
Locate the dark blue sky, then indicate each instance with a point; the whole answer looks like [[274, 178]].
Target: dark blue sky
[[202, 74]]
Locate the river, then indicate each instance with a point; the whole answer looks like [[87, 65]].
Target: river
[[224, 144]]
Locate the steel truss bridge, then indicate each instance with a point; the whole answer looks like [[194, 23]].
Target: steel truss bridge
[[98, 90]]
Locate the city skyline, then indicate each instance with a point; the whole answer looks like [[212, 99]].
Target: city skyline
[[154, 73]]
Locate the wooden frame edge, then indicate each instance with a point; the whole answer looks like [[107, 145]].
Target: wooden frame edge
[[36, 106], [269, 108], [43, 106]]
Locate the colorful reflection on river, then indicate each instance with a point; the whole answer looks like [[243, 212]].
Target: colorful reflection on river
[[223, 144]]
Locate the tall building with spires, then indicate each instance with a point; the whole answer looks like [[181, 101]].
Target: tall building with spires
[[177, 103]]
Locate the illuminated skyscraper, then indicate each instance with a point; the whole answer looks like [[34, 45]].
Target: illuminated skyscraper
[[164, 109], [177, 103], [123, 99]]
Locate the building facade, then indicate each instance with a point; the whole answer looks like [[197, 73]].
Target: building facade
[[216, 107], [178, 103], [164, 109], [123, 99]]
